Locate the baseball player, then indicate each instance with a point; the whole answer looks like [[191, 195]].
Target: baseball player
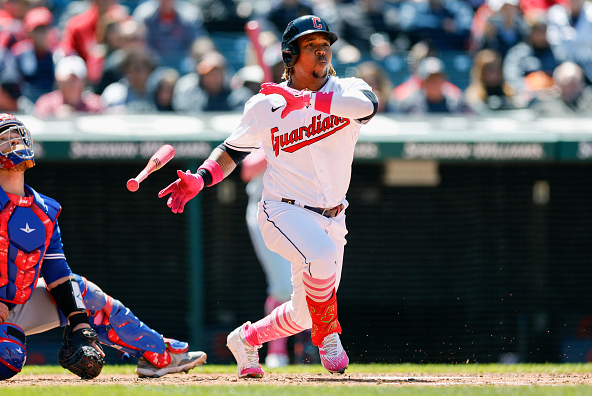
[[307, 127], [39, 292]]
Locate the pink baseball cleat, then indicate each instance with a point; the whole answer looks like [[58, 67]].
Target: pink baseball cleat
[[247, 357], [333, 356]]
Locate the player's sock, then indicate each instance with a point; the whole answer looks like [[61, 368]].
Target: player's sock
[[276, 325], [322, 306], [279, 346], [318, 290]]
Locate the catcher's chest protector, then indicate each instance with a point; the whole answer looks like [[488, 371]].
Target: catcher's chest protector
[[25, 232]]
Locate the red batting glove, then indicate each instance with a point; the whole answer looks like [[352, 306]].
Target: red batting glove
[[187, 186], [295, 100]]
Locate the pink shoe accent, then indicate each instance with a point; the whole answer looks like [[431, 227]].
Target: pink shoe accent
[[333, 356], [253, 372]]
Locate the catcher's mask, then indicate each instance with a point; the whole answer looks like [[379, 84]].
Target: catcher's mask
[[12, 350], [299, 27], [16, 144]]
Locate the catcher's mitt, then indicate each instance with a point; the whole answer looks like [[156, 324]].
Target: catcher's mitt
[[78, 355]]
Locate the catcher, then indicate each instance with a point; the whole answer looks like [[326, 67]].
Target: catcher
[[39, 292]]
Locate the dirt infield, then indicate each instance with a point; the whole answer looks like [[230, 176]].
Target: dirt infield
[[512, 379]]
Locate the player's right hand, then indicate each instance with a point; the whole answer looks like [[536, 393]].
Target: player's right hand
[[182, 190], [4, 311], [295, 100]]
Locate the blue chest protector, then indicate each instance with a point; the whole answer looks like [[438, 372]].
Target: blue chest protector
[[26, 230]]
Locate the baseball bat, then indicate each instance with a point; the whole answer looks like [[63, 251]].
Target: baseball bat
[[253, 30], [157, 161]]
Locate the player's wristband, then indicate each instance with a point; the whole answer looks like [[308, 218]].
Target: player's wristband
[[322, 101], [215, 170]]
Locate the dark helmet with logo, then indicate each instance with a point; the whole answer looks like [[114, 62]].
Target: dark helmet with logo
[[299, 27], [16, 144]]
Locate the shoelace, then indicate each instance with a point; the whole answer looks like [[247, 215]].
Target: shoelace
[[252, 355], [332, 345]]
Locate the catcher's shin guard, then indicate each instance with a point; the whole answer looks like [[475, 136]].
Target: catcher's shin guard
[[324, 318], [13, 353], [116, 325]]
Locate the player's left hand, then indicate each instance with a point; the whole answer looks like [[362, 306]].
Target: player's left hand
[[295, 100], [79, 352], [182, 190]]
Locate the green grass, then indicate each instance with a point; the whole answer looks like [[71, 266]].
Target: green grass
[[251, 387], [267, 390]]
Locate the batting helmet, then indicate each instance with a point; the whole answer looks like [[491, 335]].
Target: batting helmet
[[299, 27], [16, 144], [12, 350]]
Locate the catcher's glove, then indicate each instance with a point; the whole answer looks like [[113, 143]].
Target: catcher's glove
[[79, 355]]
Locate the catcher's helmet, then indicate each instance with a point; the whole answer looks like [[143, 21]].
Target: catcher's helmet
[[297, 28], [12, 350], [16, 144]]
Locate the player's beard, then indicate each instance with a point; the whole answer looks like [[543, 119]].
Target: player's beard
[[322, 74]]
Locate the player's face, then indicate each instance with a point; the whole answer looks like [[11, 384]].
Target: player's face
[[315, 55]]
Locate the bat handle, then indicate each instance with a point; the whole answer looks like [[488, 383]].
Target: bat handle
[[134, 184]]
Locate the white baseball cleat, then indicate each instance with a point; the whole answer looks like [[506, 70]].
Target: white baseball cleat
[[275, 360], [179, 362], [333, 356], [247, 357]]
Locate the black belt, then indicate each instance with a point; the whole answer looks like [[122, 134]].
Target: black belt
[[330, 212]]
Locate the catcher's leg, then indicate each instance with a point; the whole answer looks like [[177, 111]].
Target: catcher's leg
[[39, 314], [119, 328], [13, 352]]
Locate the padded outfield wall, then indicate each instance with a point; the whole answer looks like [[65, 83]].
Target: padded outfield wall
[[469, 239]]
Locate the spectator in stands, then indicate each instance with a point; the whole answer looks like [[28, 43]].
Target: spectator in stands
[[530, 56], [228, 15], [208, 89], [504, 28], [416, 54], [10, 90], [71, 97], [488, 91], [569, 32], [433, 96], [12, 29], [173, 26], [375, 75], [161, 85], [34, 55], [539, 8], [201, 46], [109, 36], [81, 35], [132, 37], [272, 56], [571, 96], [445, 24], [282, 12], [250, 77], [350, 21], [130, 94]]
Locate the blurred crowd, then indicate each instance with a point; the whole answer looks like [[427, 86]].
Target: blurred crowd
[[62, 57]]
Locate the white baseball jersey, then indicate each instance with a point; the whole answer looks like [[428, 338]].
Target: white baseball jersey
[[309, 153]]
